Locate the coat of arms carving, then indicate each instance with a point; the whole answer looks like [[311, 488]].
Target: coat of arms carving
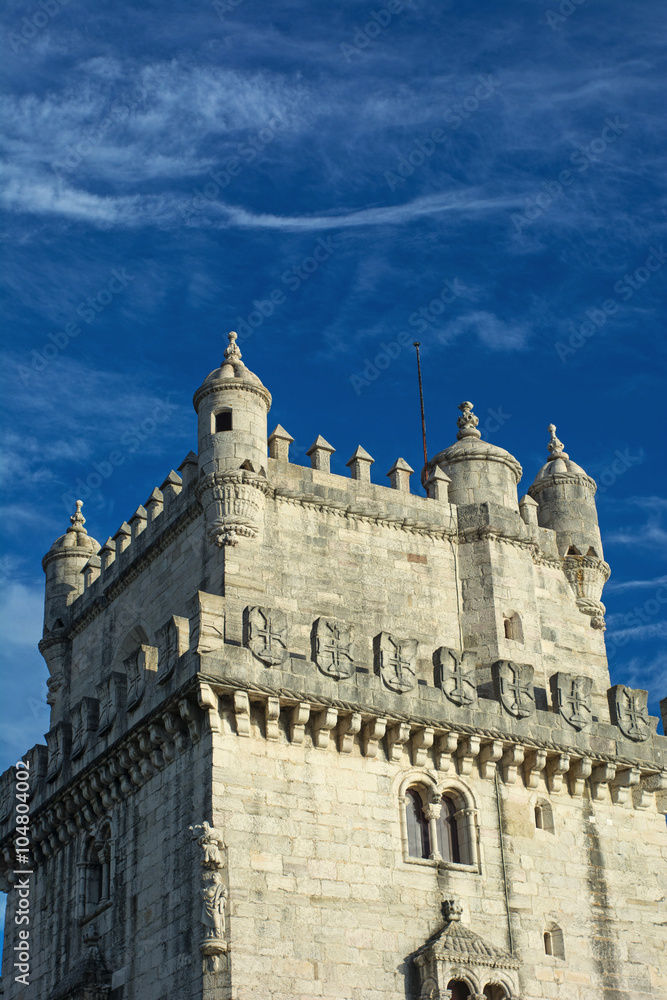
[[514, 687], [456, 675], [630, 712], [266, 635], [396, 661], [333, 650], [84, 721], [573, 699]]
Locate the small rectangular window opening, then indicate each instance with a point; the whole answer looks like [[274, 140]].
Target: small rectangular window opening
[[223, 421]]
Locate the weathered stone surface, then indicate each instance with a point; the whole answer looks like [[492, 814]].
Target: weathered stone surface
[[285, 692]]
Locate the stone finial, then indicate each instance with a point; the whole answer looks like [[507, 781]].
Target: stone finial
[[360, 465], [77, 519], [138, 521], [467, 422], [189, 469], [528, 511], [122, 537], [279, 442], [171, 487], [399, 475], [154, 504], [437, 485], [107, 553], [91, 571], [232, 351], [555, 447], [452, 909], [320, 453]]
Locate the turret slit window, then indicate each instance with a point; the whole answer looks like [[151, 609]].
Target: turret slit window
[[223, 421], [95, 873], [419, 841], [448, 835]]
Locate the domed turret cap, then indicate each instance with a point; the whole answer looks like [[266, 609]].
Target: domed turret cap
[[470, 447], [231, 374], [559, 463], [479, 472], [75, 541]]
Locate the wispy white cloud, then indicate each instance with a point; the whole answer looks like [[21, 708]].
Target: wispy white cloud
[[621, 586]]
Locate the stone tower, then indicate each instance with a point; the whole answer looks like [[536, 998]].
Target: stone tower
[[317, 737]]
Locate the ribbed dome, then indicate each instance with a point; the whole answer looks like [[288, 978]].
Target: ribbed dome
[[479, 472], [559, 463], [231, 374], [76, 539]]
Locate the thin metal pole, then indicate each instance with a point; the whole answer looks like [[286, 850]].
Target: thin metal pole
[[502, 862], [421, 400]]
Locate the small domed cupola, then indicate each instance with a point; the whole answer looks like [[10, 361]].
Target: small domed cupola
[[63, 564], [565, 495], [479, 472], [232, 408]]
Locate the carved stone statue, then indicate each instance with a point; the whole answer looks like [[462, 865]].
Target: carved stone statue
[[211, 842], [214, 897]]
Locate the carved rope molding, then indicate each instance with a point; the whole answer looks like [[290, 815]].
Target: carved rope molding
[[456, 745], [123, 767]]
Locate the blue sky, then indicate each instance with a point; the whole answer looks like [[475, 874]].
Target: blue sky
[[333, 181]]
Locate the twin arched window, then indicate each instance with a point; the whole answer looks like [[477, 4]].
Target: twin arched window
[[432, 828]]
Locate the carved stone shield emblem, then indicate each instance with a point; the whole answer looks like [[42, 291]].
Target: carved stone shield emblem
[[266, 635], [110, 694], [573, 699], [630, 712], [333, 651], [514, 687], [84, 721], [456, 675], [396, 661]]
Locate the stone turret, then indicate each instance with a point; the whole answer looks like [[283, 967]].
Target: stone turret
[[232, 407], [565, 495], [63, 565], [479, 472]]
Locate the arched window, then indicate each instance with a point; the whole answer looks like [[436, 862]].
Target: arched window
[[544, 819], [512, 626], [448, 832], [223, 421], [419, 841], [553, 941], [459, 989], [493, 991]]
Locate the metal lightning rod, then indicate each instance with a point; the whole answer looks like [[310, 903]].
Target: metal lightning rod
[[416, 345]]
